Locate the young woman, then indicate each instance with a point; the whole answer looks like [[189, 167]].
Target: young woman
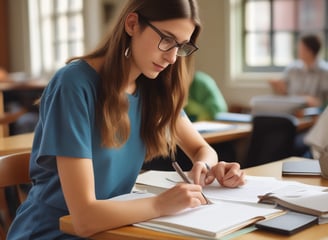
[[105, 113]]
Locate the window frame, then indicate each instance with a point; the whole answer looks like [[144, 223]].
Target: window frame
[[295, 34], [235, 75], [39, 65]]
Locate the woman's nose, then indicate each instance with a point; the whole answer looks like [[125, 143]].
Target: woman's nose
[[171, 56]]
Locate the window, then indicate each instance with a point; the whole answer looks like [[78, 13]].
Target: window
[[271, 29], [57, 33]]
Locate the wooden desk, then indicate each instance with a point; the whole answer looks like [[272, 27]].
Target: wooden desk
[[318, 232], [243, 130], [305, 123], [23, 142], [16, 143]]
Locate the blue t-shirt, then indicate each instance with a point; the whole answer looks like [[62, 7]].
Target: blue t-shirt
[[67, 127]]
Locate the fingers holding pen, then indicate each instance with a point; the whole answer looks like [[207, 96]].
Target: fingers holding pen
[[199, 173], [179, 197]]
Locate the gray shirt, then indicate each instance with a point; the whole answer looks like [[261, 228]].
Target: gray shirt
[[303, 81]]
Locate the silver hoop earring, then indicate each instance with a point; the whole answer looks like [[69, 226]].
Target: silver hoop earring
[[127, 53]]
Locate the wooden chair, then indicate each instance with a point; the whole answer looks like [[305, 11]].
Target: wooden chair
[[2, 234], [14, 170]]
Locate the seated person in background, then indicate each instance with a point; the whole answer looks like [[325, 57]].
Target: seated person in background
[[307, 76], [205, 99]]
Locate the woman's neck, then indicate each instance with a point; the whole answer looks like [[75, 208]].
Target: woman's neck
[[131, 88]]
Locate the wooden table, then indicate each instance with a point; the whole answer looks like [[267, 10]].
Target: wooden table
[[23, 142], [16, 143], [306, 123], [243, 130], [317, 232]]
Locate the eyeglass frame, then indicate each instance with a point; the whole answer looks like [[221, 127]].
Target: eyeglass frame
[[163, 36]]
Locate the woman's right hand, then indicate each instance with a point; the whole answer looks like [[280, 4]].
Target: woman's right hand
[[181, 196]]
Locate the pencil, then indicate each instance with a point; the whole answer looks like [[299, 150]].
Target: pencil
[[178, 169]]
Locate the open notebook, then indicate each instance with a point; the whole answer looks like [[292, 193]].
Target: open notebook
[[211, 221], [302, 199], [230, 211]]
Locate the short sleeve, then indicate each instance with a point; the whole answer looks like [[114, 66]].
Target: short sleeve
[[67, 116]]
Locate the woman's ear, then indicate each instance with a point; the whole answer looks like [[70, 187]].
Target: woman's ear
[[131, 22]]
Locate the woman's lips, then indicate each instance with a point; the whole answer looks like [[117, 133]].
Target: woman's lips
[[158, 68]]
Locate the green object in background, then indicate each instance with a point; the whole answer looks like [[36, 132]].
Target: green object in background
[[205, 98]]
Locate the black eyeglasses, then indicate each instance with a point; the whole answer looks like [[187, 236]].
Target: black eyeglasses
[[167, 43]]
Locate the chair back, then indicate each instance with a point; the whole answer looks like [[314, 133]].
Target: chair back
[[14, 170], [272, 139]]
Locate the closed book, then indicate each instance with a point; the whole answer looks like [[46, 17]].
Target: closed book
[[303, 167]]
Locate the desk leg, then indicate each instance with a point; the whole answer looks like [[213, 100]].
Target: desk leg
[[4, 128]]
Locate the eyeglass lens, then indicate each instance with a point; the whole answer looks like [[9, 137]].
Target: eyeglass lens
[[167, 43], [184, 49]]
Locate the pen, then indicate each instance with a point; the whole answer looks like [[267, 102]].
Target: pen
[[178, 169]]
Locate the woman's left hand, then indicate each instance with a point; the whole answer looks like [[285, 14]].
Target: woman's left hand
[[227, 174]]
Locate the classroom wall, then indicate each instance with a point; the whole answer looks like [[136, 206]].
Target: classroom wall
[[18, 36], [213, 56], [4, 39]]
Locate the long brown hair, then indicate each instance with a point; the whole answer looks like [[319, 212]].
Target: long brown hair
[[162, 99]]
